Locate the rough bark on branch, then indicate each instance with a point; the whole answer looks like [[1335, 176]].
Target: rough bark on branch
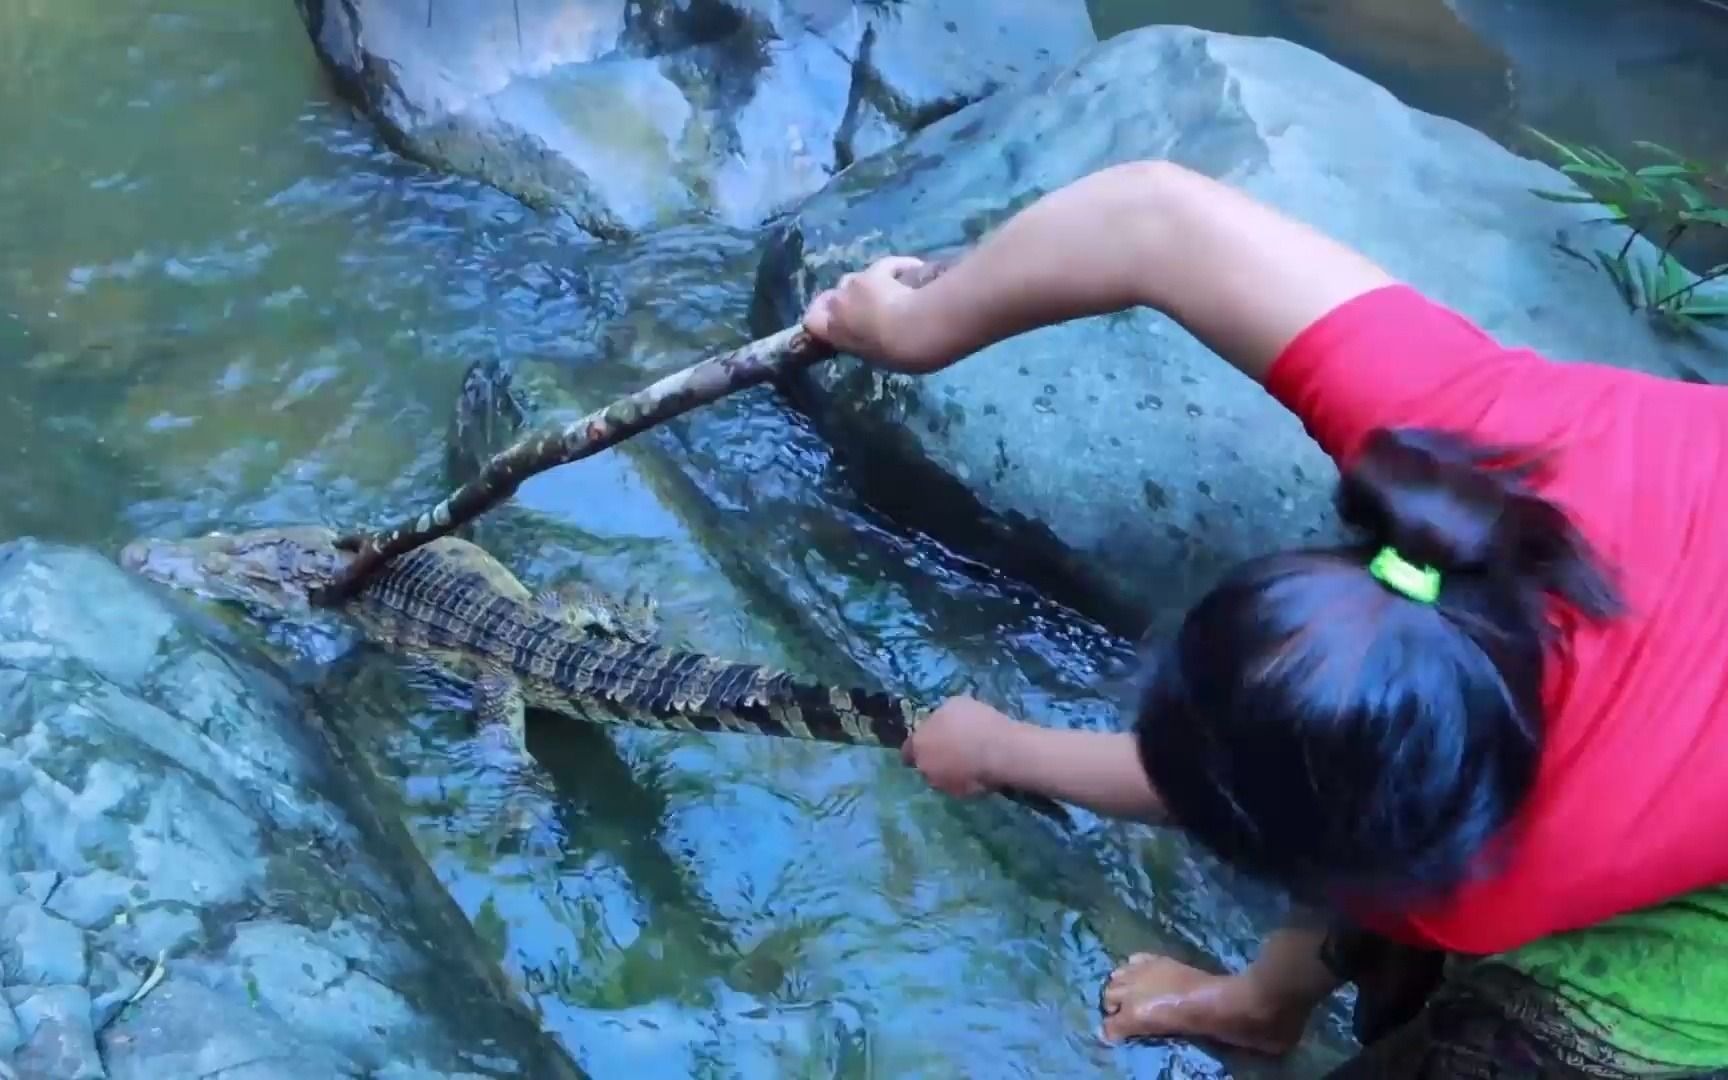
[[763, 360]]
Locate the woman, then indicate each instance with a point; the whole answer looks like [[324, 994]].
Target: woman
[[1498, 717]]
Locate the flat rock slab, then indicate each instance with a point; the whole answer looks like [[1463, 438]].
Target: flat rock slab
[[1115, 459], [631, 115], [190, 887]]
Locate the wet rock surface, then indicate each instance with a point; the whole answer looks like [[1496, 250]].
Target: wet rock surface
[[628, 116], [190, 887], [854, 602], [1115, 458]]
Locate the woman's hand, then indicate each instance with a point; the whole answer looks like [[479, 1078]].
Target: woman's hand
[[956, 747], [966, 748], [871, 316]]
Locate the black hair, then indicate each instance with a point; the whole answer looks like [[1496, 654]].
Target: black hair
[[1328, 734]]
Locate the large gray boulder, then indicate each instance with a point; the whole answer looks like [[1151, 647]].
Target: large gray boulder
[[1115, 458], [629, 115], [190, 887]]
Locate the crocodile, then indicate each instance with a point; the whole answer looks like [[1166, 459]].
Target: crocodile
[[450, 606]]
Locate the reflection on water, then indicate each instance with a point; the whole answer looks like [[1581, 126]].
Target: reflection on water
[[222, 302]]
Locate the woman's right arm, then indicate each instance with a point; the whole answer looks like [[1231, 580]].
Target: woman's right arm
[[966, 748], [1237, 274]]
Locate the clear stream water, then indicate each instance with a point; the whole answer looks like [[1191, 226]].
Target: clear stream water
[[224, 303]]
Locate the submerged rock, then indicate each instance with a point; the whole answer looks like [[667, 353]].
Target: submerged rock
[[627, 115], [1115, 458], [190, 888]]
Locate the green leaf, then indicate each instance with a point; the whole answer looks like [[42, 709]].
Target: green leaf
[[1563, 196], [1559, 147], [1651, 172], [1713, 216], [1690, 195], [1659, 149], [1616, 272], [1646, 193], [1647, 283], [1597, 171], [1611, 161], [1709, 307], [1673, 278]]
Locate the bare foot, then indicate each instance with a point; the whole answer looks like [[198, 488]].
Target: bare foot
[[1155, 997]]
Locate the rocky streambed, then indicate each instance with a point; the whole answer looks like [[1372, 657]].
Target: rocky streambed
[[251, 852]]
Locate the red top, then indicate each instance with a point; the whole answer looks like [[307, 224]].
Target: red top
[[1630, 805]]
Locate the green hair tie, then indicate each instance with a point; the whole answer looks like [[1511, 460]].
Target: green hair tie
[[1419, 583]]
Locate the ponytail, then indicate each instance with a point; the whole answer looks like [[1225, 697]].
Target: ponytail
[[1467, 510], [1326, 726]]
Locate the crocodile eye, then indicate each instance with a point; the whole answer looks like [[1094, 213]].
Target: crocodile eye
[[217, 562]]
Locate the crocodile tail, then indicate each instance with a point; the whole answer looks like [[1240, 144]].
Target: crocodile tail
[[689, 691], [832, 714]]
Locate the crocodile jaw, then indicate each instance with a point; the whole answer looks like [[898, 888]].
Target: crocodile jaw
[[269, 571]]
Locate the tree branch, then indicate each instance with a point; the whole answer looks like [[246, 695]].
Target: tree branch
[[766, 359]]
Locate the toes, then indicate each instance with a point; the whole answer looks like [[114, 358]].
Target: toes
[[1114, 995], [1118, 1029], [1124, 969], [1136, 1020]]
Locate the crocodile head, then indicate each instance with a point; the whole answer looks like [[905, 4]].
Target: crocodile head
[[268, 571]]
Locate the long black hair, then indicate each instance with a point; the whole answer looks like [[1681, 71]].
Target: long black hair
[[1336, 737]]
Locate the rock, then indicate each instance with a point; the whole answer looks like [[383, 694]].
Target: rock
[[11, 1034], [59, 1039], [192, 888], [921, 61], [41, 949], [1115, 459], [628, 116]]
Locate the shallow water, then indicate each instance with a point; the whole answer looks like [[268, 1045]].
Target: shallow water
[[224, 303]]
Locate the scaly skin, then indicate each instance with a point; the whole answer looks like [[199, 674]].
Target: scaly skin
[[576, 654]]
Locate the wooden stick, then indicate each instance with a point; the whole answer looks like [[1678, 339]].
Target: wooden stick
[[774, 357]]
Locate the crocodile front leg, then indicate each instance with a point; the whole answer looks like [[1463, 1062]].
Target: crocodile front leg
[[592, 611], [498, 701]]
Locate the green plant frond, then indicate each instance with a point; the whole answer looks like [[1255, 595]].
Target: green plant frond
[[1563, 196], [1661, 151], [1649, 284], [1709, 307], [1662, 202], [1617, 273], [1611, 161], [1657, 172], [1599, 172], [1673, 280], [1556, 145]]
